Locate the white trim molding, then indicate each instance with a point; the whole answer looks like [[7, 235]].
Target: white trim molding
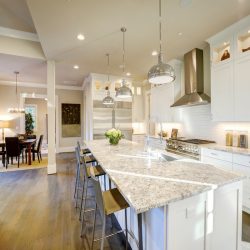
[[19, 34], [66, 149], [51, 169], [38, 85]]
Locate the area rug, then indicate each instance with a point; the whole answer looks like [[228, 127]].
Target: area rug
[[24, 166]]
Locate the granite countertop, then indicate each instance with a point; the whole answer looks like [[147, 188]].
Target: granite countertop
[[147, 181], [234, 150]]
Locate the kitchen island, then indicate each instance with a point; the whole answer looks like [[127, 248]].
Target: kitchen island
[[174, 205]]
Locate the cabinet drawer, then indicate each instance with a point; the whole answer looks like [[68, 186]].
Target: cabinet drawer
[[224, 156], [225, 165], [241, 159]]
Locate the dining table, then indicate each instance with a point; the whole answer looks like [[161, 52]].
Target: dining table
[[24, 143]]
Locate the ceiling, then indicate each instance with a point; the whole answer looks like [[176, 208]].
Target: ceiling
[[58, 22]]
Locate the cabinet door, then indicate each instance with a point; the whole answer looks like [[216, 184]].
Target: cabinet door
[[225, 165], [162, 97], [246, 183], [242, 89], [222, 92]]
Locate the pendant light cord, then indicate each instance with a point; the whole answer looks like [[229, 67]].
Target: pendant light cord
[[16, 72], [160, 31], [123, 29], [108, 65]]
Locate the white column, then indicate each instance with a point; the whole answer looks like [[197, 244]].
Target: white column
[[51, 108]]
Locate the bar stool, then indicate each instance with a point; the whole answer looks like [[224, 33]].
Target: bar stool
[[108, 202], [89, 158], [84, 172]]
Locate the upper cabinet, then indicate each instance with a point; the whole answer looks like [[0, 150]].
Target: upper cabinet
[[230, 73]]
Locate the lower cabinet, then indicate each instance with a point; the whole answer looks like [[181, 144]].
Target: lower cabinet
[[208, 221], [231, 162]]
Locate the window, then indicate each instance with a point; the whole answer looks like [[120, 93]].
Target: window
[[32, 109]]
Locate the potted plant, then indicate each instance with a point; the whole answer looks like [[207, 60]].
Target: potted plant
[[114, 136], [29, 124]]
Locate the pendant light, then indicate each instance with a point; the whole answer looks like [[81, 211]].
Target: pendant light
[[161, 73], [108, 100], [16, 110], [123, 91]]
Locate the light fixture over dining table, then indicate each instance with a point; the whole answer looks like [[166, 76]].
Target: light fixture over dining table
[[17, 109]]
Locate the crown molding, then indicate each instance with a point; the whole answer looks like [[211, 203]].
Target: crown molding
[[38, 85], [19, 34]]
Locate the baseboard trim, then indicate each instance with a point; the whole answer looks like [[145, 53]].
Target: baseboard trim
[[66, 149], [51, 169]]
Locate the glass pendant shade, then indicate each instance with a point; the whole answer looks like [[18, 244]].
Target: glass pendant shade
[[124, 91], [161, 73], [108, 100]]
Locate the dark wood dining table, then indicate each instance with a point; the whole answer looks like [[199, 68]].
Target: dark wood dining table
[[25, 143]]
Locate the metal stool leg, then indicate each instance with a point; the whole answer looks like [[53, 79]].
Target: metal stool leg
[[93, 231], [126, 228], [76, 182], [103, 232], [83, 199]]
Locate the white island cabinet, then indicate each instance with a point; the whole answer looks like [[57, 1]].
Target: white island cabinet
[[233, 159], [174, 205]]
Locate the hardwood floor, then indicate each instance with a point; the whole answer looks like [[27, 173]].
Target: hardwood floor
[[37, 211]]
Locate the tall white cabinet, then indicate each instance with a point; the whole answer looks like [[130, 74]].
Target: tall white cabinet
[[230, 78]]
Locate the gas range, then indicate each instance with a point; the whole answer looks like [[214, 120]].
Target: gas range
[[186, 147]]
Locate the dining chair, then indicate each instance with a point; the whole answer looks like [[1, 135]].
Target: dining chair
[[12, 150], [2, 154], [37, 150], [107, 202]]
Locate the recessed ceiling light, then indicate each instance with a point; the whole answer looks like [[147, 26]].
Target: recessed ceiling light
[[76, 67], [80, 37], [180, 33], [154, 53], [248, 31], [128, 74]]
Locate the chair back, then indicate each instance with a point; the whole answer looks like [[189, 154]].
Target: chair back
[[98, 192], [12, 146], [39, 145], [79, 164], [79, 146]]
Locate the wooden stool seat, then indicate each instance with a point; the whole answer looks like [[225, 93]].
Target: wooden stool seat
[[113, 201], [89, 159], [97, 170]]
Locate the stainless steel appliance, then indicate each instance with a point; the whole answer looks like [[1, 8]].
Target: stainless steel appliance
[[186, 147], [118, 116]]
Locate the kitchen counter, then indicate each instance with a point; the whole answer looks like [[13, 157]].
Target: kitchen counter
[[169, 196], [147, 181], [234, 150]]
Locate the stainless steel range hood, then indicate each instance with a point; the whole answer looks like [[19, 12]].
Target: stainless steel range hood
[[194, 80]]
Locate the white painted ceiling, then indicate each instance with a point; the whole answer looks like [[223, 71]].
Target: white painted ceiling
[[58, 22]]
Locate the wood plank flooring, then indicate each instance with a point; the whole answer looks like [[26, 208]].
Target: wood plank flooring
[[37, 211]]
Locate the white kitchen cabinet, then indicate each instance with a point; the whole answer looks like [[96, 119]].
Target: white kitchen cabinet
[[162, 97], [220, 159], [242, 89], [231, 162], [245, 170], [218, 163], [222, 92], [230, 78]]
